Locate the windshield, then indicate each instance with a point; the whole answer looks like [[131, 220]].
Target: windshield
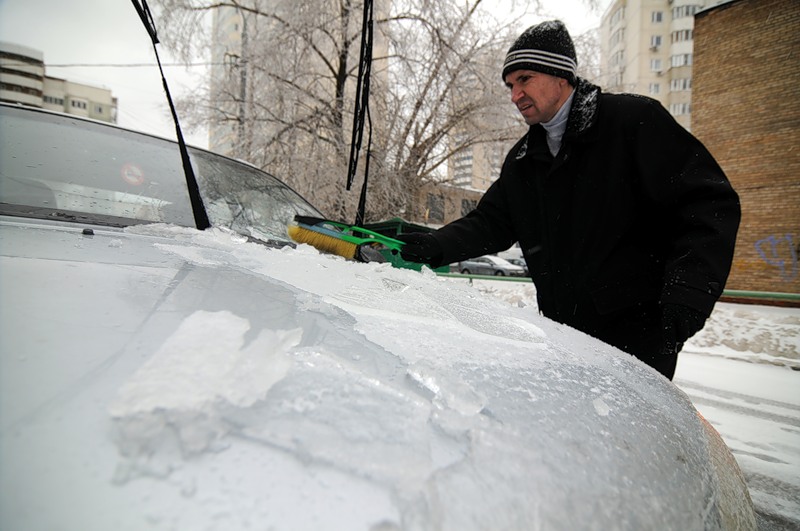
[[62, 167], [246, 199]]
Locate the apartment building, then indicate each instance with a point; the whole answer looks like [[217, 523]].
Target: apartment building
[[23, 80], [646, 48], [476, 167], [21, 74]]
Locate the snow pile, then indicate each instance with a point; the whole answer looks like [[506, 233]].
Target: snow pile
[[754, 333], [205, 367]]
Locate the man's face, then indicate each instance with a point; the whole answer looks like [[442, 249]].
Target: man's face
[[537, 96]]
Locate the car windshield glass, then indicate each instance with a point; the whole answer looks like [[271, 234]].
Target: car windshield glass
[[58, 167], [70, 169], [246, 199]]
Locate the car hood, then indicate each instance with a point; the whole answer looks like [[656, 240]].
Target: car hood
[[164, 378]]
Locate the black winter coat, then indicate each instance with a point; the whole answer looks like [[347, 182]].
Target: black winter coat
[[632, 213]]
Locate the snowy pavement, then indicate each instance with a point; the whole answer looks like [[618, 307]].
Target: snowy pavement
[[742, 373], [756, 409]]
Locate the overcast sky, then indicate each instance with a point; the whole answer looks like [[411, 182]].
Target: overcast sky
[[109, 32], [101, 32]]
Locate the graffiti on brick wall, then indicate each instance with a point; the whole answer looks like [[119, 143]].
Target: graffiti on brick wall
[[780, 253]]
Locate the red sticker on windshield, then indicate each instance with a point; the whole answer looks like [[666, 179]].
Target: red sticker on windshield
[[132, 174]]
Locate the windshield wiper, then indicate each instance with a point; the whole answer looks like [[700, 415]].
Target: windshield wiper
[[198, 209]]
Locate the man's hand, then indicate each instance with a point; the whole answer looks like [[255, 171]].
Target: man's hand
[[679, 323], [420, 247]]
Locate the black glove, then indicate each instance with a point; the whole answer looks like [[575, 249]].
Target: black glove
[[420, 247], [679, 323]]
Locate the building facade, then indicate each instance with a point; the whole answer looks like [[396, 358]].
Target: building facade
[[477, 166], [442, 203], [23, 80], [747, 112], [21, 74], [647, 48]]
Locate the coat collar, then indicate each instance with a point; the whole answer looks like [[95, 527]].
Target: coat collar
[[583, 114]]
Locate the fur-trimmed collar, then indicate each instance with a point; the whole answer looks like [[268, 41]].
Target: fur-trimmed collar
[[584, 108]]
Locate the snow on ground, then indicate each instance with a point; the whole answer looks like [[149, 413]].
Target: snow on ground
[[742, 373]]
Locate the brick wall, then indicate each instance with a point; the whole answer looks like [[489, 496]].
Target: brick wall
[[746, 110]]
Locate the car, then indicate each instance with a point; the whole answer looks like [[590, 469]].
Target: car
[[519, 262], [490, 265], [158, 376]]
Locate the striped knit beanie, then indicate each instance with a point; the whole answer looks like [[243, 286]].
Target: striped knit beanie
[[546, 48]]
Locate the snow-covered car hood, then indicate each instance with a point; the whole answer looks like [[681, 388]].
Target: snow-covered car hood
[[159, 377]]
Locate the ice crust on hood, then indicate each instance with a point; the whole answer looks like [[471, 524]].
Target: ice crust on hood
[[470, 413]]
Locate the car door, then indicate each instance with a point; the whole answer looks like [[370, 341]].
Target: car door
[[485, 267]]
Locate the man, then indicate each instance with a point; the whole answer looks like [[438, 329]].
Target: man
[[625, 220]]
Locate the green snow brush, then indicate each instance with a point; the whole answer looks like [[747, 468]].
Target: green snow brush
[[348, 241]]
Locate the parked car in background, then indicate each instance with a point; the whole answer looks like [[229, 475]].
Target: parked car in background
[[519, 262], [490, 265], [156, 376]]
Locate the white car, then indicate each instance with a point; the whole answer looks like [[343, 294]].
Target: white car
[[155, 376]]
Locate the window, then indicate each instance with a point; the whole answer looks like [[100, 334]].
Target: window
[[679, 109], [655, 41], [655, 88], [17, 88], [618, 15], [467, 206], [53, 100], [617, 37], [77, 104], [655, 65], [435, 208], [682, 35], [98, 109], [684, 11], [657, 17], [684, 59], [677, 85], [462, 165]]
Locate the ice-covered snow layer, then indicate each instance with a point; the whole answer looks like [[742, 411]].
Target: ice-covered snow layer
[[742, 372], [205, 382]]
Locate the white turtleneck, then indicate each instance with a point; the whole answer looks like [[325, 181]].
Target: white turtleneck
[[557, 125]]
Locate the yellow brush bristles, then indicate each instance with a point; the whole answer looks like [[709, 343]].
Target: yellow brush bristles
[[322, 242]]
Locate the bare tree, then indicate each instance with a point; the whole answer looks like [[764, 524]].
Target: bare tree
[[445, 93], [587, 48]]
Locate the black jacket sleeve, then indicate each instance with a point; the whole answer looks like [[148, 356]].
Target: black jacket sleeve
[[485, 230]]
